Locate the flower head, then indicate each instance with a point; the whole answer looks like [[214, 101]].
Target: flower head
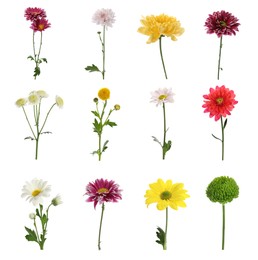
[[222, 189], [40, 25], [59, 102], [34, 98], [161, 96], [21, 102], [57, 200], [104, 17], [42, 93], [35, 190], [117, 107], [160, 25], [32, 215], [101, 191], [166, 194], [104, 94], [219, 102], [35, 13], [222, 23]]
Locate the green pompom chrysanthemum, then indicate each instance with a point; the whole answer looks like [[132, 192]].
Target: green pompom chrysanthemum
[[222, 189]]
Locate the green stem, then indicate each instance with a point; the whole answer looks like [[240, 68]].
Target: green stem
[[166, 230], [37, 148], [104, 51], [223, 226], [220, 47], [161, 55], [37, 233], [46, 118], [100, 132], [222, 138], [44, 229], [100, 152], [29, 123], [100, 225], [165, 132]]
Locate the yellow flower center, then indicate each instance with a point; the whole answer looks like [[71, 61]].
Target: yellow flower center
[[219, 100], [165, 195], [35, 193], [41, 27], [223, 23], [103, 190], [162, 97]]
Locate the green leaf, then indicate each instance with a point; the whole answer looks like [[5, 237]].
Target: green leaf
[[92, 68], [31, 235], [44, 219], [95, 152], [30, 57], [43, 239], [29, 138], [161, 236], [36, 71], [167, 146], [44, 60], [216, 137], [97, 126], [156, 140], [225, 123], [95, 113], [110, 123], [105, 146], [37, 213], [46, 132]]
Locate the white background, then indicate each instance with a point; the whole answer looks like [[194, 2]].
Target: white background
[[133, 160]]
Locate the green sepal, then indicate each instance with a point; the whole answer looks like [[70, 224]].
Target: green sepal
[[31, 235], [161, 236], [92, 68]]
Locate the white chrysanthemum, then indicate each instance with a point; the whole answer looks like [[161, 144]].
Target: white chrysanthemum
[[42, 93], [35, 190], [57, 200], [59, 102], [104, 17], [21, 102], [161, 96], [34, 98], [32, 215]]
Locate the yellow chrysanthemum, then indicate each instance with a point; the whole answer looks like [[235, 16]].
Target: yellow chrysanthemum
[[160, 25], [21, 102], [104, 94], [166, 194]]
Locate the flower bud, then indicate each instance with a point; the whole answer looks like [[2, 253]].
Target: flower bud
[[117, 107], [96, 100], [57, 200], [32, 216]]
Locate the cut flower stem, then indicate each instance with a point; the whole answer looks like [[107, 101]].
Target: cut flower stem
[[223, 225], [161, 55], [166, 229], [100, 225], [220, 47]]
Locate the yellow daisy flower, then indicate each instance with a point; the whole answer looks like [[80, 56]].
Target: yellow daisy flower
[[59, 102], [104, 94], [166, 194], [21, 102], [160, 25]]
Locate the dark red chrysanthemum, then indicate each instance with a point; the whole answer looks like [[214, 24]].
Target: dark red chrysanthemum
[[222, 23], [35, 13], [40, 25], [220, 101], [101, 191]]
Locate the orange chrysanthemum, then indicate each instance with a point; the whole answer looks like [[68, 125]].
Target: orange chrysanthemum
[[219, 102]]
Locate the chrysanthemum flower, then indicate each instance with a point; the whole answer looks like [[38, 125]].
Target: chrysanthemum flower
[[59, 102], [222, 23], [104, 94], [160, 25], [35, 13], [34, 98], [21, 102], [166, 194], [101, 191], [57, 200], [32, 216], [104, 17], [219, 102], [42, 93], [35, 190], [117, 107], [161, 96], [40, 25]]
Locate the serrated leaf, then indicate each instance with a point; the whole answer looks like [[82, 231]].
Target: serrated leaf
[[216, 137], [31, 235], [225, 123], [161, 236], [36, 71], [29, 138], [92, 68], [95, 113], [97, 126], [30, 57], [156, 140]]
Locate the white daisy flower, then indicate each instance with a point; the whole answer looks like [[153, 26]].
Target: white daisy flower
[[34, 98], [42, 93], [57, 200], [35, 190], [59, 102], [21, 102], [161, 96]]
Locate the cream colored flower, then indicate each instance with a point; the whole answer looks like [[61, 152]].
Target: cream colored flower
[[57, 200], [59, 102], [34, 98], [42, 93], [21, 102]]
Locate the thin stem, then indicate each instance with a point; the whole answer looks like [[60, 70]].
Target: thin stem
[[46, 118], [37, 148], [220, 47], [104, 50], [34, 51], [29, 123], [165, 132], [223, 225], [100, 152], [40, 44], [100, 225], [100, 132], [222, 138], [161, 55], [166, 230], [37, 233]]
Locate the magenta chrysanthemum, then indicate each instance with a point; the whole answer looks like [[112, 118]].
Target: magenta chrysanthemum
[[222, 23], [219, 102], [35, 13], [104, 17], [40, 25], [101, 191]]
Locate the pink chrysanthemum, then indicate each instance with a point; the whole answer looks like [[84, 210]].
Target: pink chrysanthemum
[[161, 96], [101, 191], [35, 13], [220, 101], [222, 23], [104, 17], [40, 25]]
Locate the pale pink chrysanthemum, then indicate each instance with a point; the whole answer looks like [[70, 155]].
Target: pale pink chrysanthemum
[[40, 25], [219, 102], [101, 191], [161, 96], [104, 17], [222, 23], [34, 13]]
